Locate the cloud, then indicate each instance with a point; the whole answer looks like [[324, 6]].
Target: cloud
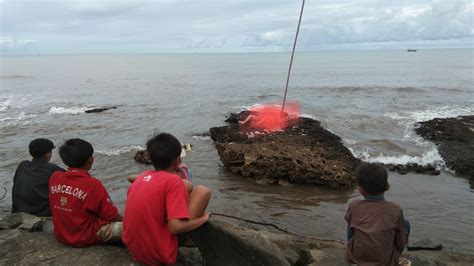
[[171, 25]]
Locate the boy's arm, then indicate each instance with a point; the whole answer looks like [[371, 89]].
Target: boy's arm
[[401, 238], [347, 217], [178, 226]]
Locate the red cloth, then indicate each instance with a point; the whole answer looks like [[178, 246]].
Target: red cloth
[[152, 200], [80, 205]]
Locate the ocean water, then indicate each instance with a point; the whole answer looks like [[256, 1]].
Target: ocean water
[[371, 99]]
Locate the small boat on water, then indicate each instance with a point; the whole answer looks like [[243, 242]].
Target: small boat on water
[[411, 50]]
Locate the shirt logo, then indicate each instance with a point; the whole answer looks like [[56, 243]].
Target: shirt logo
[[147, 178], [63, 201]]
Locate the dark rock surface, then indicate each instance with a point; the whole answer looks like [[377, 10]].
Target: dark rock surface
[[142, 157], [22, 221], [455, 140], [413, 168], [305, 153], [425, 244], [225, 243], [99, 109]]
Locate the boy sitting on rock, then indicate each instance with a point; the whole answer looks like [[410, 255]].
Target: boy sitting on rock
[[83, 213], [159, 208], [30, 183], [377, 232]]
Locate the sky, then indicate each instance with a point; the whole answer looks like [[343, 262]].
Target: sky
[[214, 26]]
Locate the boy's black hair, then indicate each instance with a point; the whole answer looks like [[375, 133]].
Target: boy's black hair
[[40, 147], [372, 178], [163, 149], [75, 152]]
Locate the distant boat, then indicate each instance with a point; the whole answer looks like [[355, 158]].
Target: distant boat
[[411, 50]]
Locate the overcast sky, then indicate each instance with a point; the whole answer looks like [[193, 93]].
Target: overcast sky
[[164, 26]]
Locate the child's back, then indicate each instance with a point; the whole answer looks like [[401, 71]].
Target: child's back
[[377, 228], [153, 199]]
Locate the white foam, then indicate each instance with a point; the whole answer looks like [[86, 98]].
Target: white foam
[[428, 114], [21, 119], [68, 111], [110, 152], [5, 104], [203, 138], [430, 157], [308, 116]]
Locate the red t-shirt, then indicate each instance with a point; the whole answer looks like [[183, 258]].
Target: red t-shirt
[[80, 205], [152, 200]]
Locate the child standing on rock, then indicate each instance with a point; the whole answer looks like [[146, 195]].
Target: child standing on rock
[[377, 232], [159, 208]]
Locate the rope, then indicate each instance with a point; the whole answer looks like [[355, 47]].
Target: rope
[[276, 227], [292, 55]]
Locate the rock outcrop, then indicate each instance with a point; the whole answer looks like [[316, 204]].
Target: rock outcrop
[[224, 243], [403, 169], [306, 153], [99, 109], [455, 140], [219, 241]]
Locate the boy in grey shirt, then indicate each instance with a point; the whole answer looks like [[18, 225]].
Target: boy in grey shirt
[[30, 183]]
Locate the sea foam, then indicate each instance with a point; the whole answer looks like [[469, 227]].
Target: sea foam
[[5, 104], [118, 151], [429, 157], [68, 111], [428, 114]]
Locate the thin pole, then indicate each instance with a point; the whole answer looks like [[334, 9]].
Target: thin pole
[[291, 60]]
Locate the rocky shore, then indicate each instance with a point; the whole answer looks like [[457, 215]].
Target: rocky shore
[[454, 138], [27, 239]]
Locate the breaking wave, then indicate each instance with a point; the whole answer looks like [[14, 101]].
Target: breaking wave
[[21, 119], [429, 157], [126, 149], [68, 111], [428, 114], [5, 104]]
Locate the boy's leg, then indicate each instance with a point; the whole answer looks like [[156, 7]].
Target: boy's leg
[[198, 201], [112, 232]]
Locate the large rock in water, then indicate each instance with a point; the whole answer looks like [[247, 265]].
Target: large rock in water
[[305, 153], [455, 140]]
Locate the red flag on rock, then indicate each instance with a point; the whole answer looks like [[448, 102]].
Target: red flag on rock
[[270, 118]]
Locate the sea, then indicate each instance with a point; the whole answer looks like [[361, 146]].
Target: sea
[[371, 99]]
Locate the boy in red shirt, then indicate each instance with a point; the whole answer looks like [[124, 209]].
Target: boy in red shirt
[[158, 206], [377, 232], [83, 213]]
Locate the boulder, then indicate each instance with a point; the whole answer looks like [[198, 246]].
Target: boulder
[[99, 109], [454, 138], [21, 220], [403, 169], [303, 154], [425, 244], [224, 243], [142, 157]]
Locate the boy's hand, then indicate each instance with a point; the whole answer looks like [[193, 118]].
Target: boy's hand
[[206, 216]]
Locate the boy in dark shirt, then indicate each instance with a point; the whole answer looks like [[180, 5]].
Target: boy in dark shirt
[[377, 232], [83, 214], [30, 183]]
